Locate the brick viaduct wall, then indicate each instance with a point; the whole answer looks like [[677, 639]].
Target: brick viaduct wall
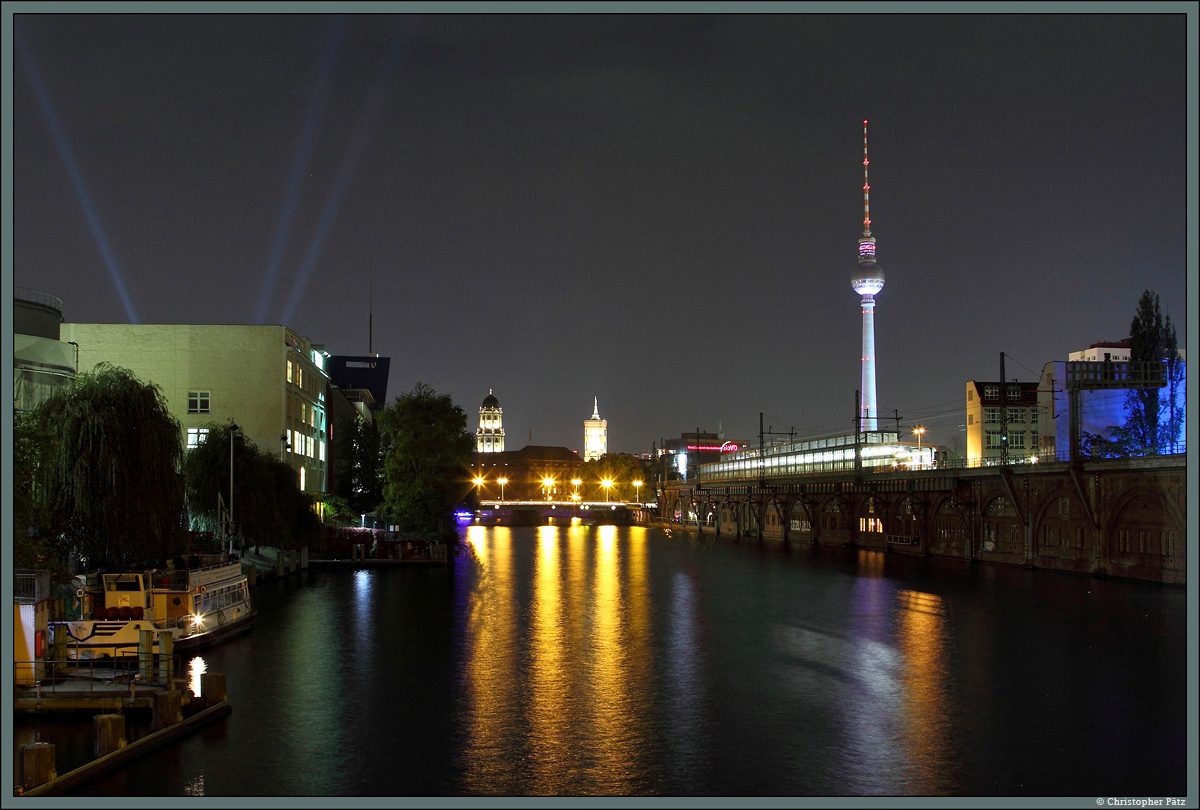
[[1121, 517]]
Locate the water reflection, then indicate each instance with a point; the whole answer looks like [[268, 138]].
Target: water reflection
[[561, 681], [920, 635], [551, 755], [196, 668], [491, 676]]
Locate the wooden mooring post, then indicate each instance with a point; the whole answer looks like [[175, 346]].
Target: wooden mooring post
[[212, 688], [167, 709], [37, 765], [146, 655], [110, 733]]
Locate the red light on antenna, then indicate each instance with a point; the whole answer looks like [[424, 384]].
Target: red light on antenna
[[864, 121]]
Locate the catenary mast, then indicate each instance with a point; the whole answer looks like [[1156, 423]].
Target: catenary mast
[[866, 281]]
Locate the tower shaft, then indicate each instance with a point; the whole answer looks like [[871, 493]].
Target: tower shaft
[[867, 408]]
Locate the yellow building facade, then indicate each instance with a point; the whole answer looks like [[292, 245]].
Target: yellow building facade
[[268, 380]]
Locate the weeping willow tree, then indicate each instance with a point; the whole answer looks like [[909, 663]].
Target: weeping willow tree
[[268, 506], [113, 469]]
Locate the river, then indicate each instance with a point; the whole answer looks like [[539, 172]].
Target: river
[[628, 661]]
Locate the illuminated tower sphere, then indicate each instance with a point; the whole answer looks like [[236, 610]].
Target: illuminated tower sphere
[[595, 435], [866, 281], [489, 436]]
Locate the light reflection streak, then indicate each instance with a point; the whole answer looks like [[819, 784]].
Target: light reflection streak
[[551, 753], [921, 635], [611, 715], [196, 668], [492, 681], [364, 602]]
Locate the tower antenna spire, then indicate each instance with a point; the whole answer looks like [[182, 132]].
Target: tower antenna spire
[[866, 187]]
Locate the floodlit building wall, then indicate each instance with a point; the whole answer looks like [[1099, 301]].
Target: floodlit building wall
[[267, 379]]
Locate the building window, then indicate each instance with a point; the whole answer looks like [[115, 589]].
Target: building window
[[198, 402], [1033, 416], [321, 450], [1033, 441], [301, 479], [993, 438], [1017, 440], [991, 416], [1016, 415], [970, 419], [991, 392], [289, 370], [196, 437]]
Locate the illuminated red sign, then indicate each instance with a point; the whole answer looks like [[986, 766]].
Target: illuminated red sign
[[728, 447]]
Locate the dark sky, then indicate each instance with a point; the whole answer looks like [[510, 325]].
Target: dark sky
[[661, 211]]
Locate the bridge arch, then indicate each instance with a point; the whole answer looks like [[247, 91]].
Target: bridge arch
[[1061, 526], [1144, 530], [1002, 529]]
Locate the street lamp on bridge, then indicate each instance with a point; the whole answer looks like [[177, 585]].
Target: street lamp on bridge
[[547, 484], [607, 484], [637, 488], [502, 482]]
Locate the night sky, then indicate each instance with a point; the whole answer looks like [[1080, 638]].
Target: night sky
[[659, 211]]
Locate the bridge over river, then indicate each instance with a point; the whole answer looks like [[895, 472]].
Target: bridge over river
[[1114, 517]]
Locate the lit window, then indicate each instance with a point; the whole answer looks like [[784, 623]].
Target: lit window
[[321, 450], [196, 437], [301, 478], [289, 370], [198, 401]]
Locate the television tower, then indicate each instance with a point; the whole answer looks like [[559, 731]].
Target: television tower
[[866, 281]]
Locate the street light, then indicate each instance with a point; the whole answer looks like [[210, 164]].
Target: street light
[[478, 482], [233, 431], [547, 483], [919, 430], [501, 482], [637, 488], [607, 484], [575, 482]]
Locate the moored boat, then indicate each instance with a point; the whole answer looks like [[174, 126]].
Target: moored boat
[[197, 600]]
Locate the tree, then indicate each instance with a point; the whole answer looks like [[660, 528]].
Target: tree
[[358, 453], [114, 481], [429, 449], [32, 446], [1152, 338], [268, 506], [1148, 339]]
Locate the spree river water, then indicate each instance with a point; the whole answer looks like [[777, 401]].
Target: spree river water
[[591, 660]]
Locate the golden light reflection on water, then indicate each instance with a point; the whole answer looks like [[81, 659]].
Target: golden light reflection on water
[[921, 634], [553, 684], [491, 665], [551, 753], [610, 716]]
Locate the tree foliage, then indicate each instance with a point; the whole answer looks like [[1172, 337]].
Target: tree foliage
[[31, 519], [113, 464], [428, 452], [360, 452], [1147, 430], [268, 506]]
